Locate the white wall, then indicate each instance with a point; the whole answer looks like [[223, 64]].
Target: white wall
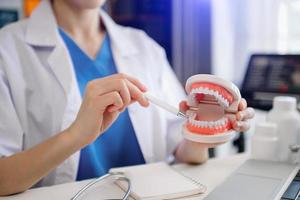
[[240, 28]]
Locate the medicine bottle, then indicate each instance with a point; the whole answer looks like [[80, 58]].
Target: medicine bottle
[[264, 144], [284, 113]]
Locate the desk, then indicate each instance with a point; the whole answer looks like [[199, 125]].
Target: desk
[[210, 174]]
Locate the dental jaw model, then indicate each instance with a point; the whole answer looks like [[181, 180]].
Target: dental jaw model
[[212, 100]]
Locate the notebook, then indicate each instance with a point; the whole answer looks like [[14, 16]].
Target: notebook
[[158, 181]]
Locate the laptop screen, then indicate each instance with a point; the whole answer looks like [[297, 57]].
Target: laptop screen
[[268, 76]]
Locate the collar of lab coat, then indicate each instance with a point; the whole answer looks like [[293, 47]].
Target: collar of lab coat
[[43, 30]]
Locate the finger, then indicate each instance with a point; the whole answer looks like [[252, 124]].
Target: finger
[[110, 118], [242, 104], [124, 108], [96, 88], [115, 108], [133, 80], [241, 126], [121, 86], [112, 108], [183, 107], [110, 83], [137, 83], [137, 94], [111, 100], [245, 114], [124, 93], [231, 117]]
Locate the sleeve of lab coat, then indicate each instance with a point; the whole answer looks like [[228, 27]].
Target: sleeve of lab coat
[[173, 93], [11, 134]]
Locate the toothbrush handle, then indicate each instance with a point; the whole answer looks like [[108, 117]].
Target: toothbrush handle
[[163, 105]]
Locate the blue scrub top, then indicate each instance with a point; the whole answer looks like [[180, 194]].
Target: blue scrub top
[[118, 146]]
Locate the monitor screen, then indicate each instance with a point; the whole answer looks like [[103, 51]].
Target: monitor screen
[[271, 75]]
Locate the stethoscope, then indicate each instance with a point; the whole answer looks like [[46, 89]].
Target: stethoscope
[[115, 176], [120, 176]]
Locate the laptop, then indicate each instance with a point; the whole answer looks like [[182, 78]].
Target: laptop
[[270, 75], [260, 180]]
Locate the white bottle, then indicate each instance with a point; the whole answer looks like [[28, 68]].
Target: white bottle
[[264, 144], [284, 113]]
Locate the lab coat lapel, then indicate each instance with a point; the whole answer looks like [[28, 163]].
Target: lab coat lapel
[[119, 42], [61, 65], [43, 36], [127, 61], [43, 32]]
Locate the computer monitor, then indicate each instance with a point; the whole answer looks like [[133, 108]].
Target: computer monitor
[[270, 75]]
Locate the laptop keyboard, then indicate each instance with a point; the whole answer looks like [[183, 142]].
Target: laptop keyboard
[[293, 191]]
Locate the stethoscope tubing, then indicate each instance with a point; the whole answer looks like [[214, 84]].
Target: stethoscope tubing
[[118, 176]]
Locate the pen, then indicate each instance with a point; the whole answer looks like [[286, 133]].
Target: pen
[[172, 109], [164, 105]]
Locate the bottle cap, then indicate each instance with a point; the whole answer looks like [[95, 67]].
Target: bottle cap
[[266, 129], [285, 103]]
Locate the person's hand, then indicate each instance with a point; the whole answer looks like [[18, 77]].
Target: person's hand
[[103, 100], [241, 120], [196, 152]]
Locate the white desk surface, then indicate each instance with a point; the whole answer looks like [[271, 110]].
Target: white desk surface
[[210, 174]]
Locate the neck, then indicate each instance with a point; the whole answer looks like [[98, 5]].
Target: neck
[[77, 22]]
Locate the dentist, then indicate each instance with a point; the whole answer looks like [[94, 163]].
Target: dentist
[[69, 80]]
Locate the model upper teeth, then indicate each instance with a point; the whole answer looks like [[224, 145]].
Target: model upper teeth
[[220, 99]]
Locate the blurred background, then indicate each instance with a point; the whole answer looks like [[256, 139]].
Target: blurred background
[[215, 36]]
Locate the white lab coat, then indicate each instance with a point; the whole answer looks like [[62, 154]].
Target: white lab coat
[[39, 95]]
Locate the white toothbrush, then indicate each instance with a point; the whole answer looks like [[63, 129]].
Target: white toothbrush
[[164, 105]]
